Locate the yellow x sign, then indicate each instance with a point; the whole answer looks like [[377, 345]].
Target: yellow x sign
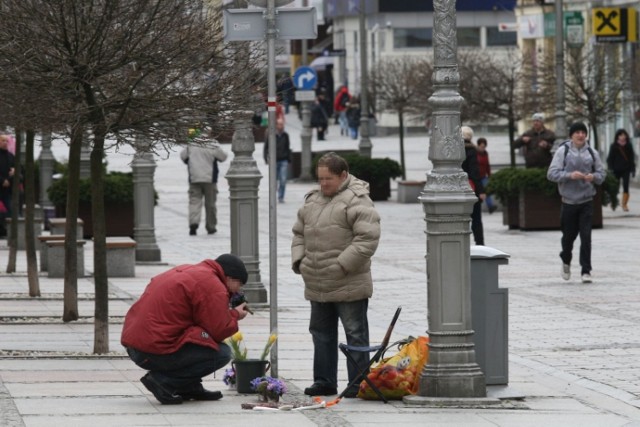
[[607, 21]]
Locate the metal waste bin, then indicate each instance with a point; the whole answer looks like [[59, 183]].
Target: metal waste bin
[[489, 313]]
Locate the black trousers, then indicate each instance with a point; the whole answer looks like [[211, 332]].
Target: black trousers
[[574, 220], [476, 223], [183, 370]]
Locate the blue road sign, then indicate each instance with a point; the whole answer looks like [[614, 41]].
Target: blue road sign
[[305, 78]]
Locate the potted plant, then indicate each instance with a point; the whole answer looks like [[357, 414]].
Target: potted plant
[[532, 202], [247, 369], [377, 172], [269, 388], [118, 198]]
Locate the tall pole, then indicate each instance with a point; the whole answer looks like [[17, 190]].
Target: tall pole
[[306, 134], [273, 229], [447, 199], [561, 115], [364, 147]]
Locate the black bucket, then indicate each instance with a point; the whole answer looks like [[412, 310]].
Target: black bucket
[[248, 370]]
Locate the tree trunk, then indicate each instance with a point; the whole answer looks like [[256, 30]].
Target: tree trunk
[[70, 309], [15, 205], [30, 201], [101, 283], [512, 137], [401, 120]]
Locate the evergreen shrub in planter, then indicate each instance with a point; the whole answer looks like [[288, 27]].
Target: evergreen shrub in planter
[[525, 192]]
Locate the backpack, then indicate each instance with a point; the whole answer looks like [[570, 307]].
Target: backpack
[[344, 99]]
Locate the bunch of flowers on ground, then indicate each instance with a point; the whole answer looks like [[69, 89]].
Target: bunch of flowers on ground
[[269, 388], [229, 378]]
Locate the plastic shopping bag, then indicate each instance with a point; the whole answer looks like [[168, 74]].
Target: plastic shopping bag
[[398, 375]]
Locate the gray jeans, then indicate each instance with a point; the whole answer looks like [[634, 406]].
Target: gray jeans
[[198, 191]]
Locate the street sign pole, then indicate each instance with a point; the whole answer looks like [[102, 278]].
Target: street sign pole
[[306, 135], [273, 226], [291, 24]]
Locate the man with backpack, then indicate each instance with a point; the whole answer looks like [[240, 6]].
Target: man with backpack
[[576, 168]]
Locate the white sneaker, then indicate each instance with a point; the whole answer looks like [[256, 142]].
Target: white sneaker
[[566, 271], [586, 278]]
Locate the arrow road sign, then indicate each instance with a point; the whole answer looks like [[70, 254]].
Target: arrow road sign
[[305, 78]]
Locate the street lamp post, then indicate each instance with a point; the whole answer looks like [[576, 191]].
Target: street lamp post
[[364, 147], [447, 198], [561, 115]]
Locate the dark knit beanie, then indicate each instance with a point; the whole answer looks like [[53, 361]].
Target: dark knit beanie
[[576, 127], [233, 267]]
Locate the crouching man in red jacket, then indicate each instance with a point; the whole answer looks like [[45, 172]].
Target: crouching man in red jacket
[[175, 330]]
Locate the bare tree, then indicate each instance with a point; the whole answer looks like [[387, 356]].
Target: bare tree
[[596, 79], [497, 87], [402, 85], [150, 67]]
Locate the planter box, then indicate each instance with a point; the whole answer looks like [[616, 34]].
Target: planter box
[[537, 211], [409, 191], [119, 218], [380, 190]]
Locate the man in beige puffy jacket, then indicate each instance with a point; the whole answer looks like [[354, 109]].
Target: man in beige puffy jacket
[[335, 235]]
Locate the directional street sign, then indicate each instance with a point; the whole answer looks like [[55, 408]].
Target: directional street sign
[[305, 78], [249, 24]]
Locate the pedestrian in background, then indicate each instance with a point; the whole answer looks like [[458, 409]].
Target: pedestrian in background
[[177, 327], [470, 166], [576, 167], [353, 116], [621, 161], [283, 157], [485, 170], [537, 143], [201, 157], [7, 170], [340, 103], [335, 235], [319, 116]]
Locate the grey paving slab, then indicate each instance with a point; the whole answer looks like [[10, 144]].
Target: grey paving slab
[[574, 349]]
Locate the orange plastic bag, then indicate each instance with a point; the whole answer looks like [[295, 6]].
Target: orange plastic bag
[[398, 375]]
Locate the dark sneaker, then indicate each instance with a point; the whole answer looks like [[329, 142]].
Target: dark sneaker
[[214, 231], [320, 390], [192, 230], [163, 395], [200, 394]]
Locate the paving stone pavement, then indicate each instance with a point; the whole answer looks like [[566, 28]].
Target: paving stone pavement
[[574, 349]]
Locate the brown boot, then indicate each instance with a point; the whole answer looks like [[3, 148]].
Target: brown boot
[[625, 200]]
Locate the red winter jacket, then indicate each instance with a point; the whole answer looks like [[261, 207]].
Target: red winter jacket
[[187, 304]]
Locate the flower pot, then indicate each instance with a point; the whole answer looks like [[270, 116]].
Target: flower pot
[[247, 370]]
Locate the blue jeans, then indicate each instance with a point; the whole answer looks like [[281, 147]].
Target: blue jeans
[[282, 171], [323, 326], [489, 199], [574, 220], [183, 370]]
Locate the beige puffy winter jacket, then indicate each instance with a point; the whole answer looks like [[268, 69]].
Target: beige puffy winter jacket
[[334, 235]]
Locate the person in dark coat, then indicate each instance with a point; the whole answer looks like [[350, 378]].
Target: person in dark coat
[[537, 143], [319, 116], [283, 157], [470, 166], [177, 327], [353, 116], [622, 162]]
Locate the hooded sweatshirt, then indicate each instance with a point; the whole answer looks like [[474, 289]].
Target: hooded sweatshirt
[[575, 191]]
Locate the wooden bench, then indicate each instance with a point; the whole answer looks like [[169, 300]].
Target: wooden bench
[[55, 258], [58, 226], [121, 257], [43, 239]]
